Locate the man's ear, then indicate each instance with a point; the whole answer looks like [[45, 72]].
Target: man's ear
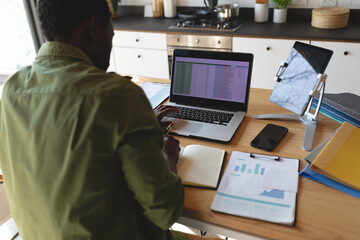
[[93, 27]]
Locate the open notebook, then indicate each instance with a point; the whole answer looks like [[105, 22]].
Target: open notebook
[[200, 165]]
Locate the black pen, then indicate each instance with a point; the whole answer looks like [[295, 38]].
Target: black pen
[[276, 158]]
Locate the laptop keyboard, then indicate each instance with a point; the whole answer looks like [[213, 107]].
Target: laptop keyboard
[[201, 115]]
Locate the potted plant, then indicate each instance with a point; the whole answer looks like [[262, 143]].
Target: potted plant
[[280, 10], [113, 5]]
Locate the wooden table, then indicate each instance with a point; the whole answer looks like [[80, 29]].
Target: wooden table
[[322, 212]]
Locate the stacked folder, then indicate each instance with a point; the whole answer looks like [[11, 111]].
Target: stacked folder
[[336, 162], [341, 107]]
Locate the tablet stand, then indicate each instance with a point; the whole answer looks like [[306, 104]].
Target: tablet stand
[[308, 118]]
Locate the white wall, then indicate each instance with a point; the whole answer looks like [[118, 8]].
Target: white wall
[[352, 4]]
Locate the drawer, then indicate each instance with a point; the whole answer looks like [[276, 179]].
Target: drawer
[[142, 62], [140, 40], [198, 41]]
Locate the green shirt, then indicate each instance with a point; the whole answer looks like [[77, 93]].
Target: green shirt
[[81, 155]]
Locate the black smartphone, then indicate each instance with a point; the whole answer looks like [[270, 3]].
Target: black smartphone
[[269, 137]]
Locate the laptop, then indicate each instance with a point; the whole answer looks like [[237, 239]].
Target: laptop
[[211, 90]]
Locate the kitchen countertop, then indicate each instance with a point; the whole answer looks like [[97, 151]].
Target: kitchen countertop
[[292, 29]]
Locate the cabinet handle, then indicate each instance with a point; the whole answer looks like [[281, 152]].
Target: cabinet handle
[[346, 53], [219, 42], [139, 56], [137, 40], [177, 39], [268, 48], [197, 40]]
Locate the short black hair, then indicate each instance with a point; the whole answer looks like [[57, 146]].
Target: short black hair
[[64, 16]]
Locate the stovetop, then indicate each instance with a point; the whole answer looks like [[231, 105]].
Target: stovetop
[[208, 24]]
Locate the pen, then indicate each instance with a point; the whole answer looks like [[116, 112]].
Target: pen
[[168, 129], [275, 158]]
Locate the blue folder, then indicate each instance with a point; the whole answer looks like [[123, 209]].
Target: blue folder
[[309, 173]]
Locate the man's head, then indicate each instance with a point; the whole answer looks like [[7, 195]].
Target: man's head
[[83, 23]]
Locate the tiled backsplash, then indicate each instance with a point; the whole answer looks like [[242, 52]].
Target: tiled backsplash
[[352, 4]]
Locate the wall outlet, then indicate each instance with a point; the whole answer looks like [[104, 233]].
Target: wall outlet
[[345, 3], [328, 3], [299, 2]]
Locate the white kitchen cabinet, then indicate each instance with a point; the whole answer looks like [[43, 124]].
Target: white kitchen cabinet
[[344, 67], [268, 54], [142, 62], [141, 54]]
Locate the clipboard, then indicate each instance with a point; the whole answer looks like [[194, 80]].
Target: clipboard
[[259, 186]]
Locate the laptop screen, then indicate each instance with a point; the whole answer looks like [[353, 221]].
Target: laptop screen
[[220, 78]]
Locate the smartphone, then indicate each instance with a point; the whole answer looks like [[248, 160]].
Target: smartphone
[[269, 137]]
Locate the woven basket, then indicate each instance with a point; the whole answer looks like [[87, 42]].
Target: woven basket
[[330, 17]]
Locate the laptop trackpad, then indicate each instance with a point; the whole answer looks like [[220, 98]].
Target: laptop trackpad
[[188, 127]]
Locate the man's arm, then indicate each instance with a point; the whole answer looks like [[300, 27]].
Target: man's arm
[[142, 160], [155, 187]]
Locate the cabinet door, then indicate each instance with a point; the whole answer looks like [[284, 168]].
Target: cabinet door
[[142, 62], [140, 40], [268, 54], [343, 70]]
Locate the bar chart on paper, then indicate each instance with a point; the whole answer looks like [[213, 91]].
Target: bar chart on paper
[[242, 189], [242, 168]]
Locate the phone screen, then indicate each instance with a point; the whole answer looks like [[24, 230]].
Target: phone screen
[[269, 137]]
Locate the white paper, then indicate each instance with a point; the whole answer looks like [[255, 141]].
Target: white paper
[[156, 92], [281, 180], [241, 190]]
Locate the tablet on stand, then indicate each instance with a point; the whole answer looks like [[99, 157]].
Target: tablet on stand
[[299, 80]]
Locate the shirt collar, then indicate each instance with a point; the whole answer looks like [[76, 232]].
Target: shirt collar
[[63, 50]]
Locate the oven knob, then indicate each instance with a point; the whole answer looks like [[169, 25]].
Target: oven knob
[[178, 24], [226, 26], [188, 23], [204, 25], [183, 24], [218, 26], [197, 40]]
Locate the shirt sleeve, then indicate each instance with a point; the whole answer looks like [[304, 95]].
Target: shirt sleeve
[[158, 191]]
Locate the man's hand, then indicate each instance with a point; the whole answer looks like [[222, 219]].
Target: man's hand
[[171, 152], [161, 111]]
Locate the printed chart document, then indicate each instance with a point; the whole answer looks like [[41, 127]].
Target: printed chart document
[[259, 188], [200, 165], [156, 92]]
